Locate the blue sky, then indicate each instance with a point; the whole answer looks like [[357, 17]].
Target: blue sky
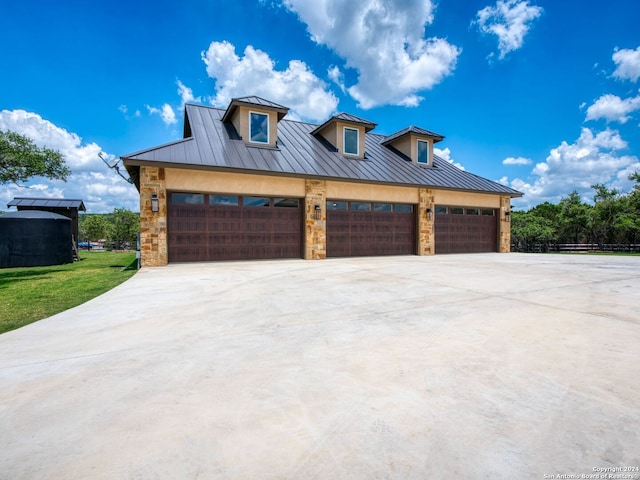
[[542, 95]]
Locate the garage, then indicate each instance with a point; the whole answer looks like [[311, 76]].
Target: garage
[[466, 229], [209, 227], [370, 228]]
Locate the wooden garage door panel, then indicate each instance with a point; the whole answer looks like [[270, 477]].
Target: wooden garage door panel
[[368, 233], [233, 232], [463, 233]]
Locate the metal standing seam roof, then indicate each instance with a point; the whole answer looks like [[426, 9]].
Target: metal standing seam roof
[[346, 117], [47, 203], [253, 100], [412, 129], [300, 153]]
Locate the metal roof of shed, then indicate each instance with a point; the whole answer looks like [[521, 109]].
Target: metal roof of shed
[[302, 154], [47, 203]]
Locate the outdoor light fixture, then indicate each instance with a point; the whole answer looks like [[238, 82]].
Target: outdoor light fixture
[[316, 212], [507, 216], [429, 214], [154, 202]]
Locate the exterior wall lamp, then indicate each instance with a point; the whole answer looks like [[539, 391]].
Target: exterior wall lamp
[[429, 214], [316, 212], [507, 216], [154, 203]]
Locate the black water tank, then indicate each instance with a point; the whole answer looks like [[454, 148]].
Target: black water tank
[[29, 238]]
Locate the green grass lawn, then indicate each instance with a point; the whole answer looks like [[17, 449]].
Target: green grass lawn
[[28, 294]]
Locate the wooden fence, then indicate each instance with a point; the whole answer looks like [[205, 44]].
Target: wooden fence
[[576, 247]]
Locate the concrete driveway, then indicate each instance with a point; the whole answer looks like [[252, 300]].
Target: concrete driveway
[[462, 366]]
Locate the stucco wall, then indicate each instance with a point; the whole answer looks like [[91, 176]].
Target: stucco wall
[[232, 183]]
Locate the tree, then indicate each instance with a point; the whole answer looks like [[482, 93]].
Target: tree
[[94, 227], [124, 228], [21, 159], [574, 219], [608, 206], [530, 231]]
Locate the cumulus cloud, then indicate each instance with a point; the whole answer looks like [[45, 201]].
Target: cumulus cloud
[[627, 64], [446, 155], [165, 112], [91, 180], [337, 77], [510, 21], [516, 161], [592, 158], [255, 73], [612, 108], [186, 94], [384, 41]]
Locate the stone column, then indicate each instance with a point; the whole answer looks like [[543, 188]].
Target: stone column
[[426, 236], [315, 241], [153, 225], [505, 225]]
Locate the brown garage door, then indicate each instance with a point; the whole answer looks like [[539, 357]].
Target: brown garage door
[[466, 230], [368, 228], [204, 227]]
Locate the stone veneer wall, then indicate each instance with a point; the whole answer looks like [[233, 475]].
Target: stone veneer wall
[[426, 238], [153, 225], [315, 245], [505, 226]]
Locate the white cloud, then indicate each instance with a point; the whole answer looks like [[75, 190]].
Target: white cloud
[[627, 64], [510, 21], [592, 158], [91, 180], [166, 113], [186, 94], [516, 161], [613, 108], [337, 77], [384, 41], [255, 73], [446, 155]]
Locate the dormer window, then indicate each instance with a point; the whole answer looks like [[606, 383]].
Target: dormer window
[[351, 141], [414, 144], [344, 134], [253, 120], [423, 152], [258, 127]]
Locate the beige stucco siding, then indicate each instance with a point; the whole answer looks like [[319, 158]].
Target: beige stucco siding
[[404, 145], [233, 183], [444, 197], [363, 191]]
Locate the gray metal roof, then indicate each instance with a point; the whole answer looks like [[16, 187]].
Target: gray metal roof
[[346, 117], [302, 154], [413, 129], [46, 203], [253, 100]]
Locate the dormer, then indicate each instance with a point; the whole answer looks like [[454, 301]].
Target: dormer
[[345, 133], [415, 143], [255, 120]]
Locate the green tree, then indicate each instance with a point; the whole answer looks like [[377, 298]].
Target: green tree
[[529, 230], [94, 227], [124, 227], [574, 219], [608, 206], [21, 159], [546, 210]]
